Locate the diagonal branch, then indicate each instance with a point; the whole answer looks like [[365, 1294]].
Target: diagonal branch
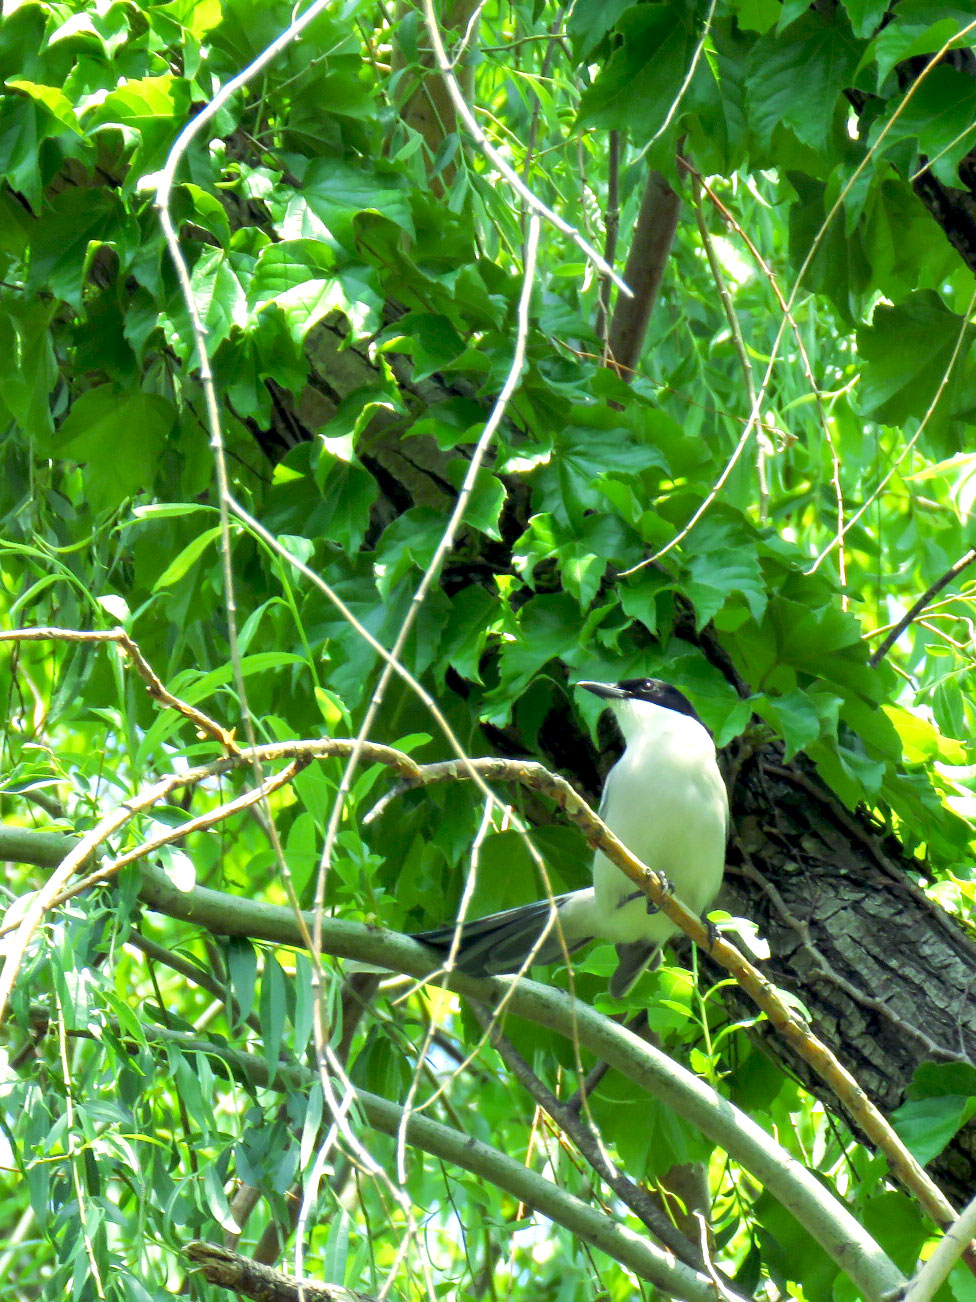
[[781, 1014], [207, 726], [654, 234], [909, 618]]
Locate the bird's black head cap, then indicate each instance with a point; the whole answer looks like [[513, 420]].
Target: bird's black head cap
[[658, 693], [652, 690]]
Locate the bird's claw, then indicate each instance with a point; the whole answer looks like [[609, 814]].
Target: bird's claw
[[664, 883], [711, 931]]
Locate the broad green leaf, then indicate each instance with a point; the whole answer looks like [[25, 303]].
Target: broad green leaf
[[119, 436], [907, 352], [242, 970], [925, 1125], [641, 79], [53, 98], [590, 20], [273, 1010], [796, 79], [335, 192]]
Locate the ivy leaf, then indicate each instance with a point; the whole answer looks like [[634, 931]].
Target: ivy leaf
[[335, 192], [796, 79], [926, 1124], [219, 294], [906, 351], [145, 110], [120, 436], [53, 99], [725, 561], [865, 15], [590, 20], [548, 627], [940, 116], [640, 80], [916, 27], [799, 717]]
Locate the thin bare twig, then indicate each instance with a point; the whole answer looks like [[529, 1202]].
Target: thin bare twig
[[807, 365], [207, 726], [817, 240], [588, 1142], [926, 417], [909, 618], [211, 818], [736, 330], [499, 161], [445, 543]]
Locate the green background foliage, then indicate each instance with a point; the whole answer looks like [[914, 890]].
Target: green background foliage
[[318, 223]]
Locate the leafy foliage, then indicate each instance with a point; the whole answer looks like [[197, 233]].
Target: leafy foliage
[[358, 289]]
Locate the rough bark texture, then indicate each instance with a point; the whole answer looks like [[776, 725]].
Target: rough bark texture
[[250, 1279], [889, 978]]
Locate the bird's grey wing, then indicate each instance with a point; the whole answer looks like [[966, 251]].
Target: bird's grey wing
[[632, 959], [501, 942]]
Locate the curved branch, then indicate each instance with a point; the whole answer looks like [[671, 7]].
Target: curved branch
[[562, 1208], [782, 1015], [910, 616], [854, 1251]]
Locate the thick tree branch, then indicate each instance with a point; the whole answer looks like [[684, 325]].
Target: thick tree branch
[[826, 1218], [251, 1279], [654, 234], [793, 1030]]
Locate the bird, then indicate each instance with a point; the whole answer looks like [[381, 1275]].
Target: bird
[[666, 800]]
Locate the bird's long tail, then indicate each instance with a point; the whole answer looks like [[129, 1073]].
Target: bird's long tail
[[507, 941]]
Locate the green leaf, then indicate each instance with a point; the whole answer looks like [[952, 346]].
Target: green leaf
[[640, 80], [939, 118], [335, 192], [119, 436], [756, 15], [242, 969], [473, 613], [219, 296], [432, 341], [800, 717], [907, 350], [724, 559], [54, 100], [273, 1010], [190, 554], [30, 374], [335, 1253], [548, 627], [925, 1125], [796, 79], [918, 27], [590, 20], [866, 15]]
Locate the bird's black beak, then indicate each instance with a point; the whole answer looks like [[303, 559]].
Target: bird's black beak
[[608, 691]]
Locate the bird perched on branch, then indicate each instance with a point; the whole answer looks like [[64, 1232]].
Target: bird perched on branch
[[666, 800]]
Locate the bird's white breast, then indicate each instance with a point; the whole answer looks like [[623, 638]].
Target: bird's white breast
[[666, 800]]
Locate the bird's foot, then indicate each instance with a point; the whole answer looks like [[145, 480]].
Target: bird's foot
[[666, 885], [711, 931]]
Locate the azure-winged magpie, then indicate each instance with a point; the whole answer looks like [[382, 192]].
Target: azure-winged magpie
[[666, 800]]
